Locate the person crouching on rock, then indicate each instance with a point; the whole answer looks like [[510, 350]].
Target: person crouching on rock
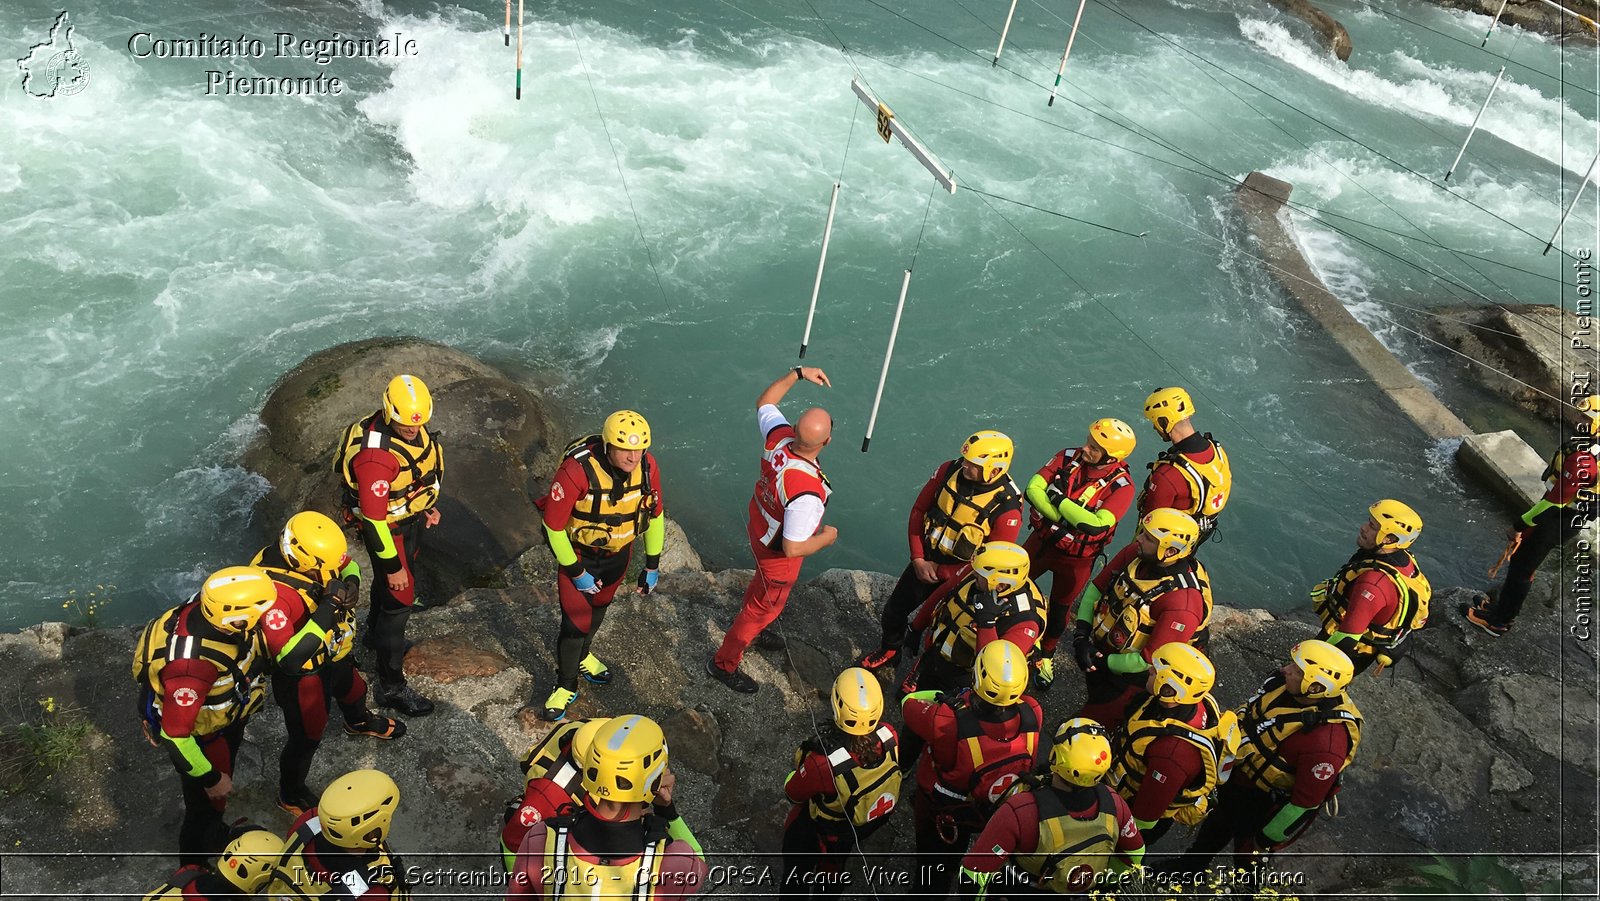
[[843, 791], [606, 492], [628, 841], [245, 867], [553, 782]]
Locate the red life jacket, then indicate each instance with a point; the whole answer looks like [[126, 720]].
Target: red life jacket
[[1073, 480], [784, 478], [984, 766]]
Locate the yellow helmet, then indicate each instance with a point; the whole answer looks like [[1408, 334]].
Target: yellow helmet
[[357, 809], [1166, 407], [234, 599], [857, 701], [1395, 520], [1082, 752], [1175, 532], [626, 760], [1590, 408], [407, 402], [1325, 670], [1002, 566], [1182, 668], [991, 451], [314, 545], [1000, 673], [1114, 436], [583, 739], [627, 430], [249, 860]]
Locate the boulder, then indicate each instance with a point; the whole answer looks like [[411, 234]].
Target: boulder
[[1534, 341], [495, 434]]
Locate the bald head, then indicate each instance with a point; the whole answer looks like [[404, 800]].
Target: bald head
[[813, 430]]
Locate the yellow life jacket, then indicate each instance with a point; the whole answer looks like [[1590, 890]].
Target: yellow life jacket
[[1209, 483], [954, 635], [1122, 620], [1271, 717], [614, 511], [341, 635], [1151, 720], [862, 793], [1588, 495], [1409, 615], [240, 686], [636, 878], [957, 523], [298, 880], [1070, 851], [415, 488], [546, 751]]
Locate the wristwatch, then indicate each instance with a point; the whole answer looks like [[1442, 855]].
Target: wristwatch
[[800, 376]]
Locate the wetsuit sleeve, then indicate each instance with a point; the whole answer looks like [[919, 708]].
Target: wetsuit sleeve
[[310, 641], [1039, 498], [925, 612], [569, 484], [1007, 522], [920, 710], [1171, 763], [1021, 630], [1368, 596], [655, 535], [1177, 615], [1006, 834], [919, 551], [374, 470], [1322, 750], [1102, 579], [526, 880], [813, 777], [185, 684], [1165, 487], [1130, 841]]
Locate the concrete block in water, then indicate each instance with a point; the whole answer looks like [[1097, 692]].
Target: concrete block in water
[[1507, 464]]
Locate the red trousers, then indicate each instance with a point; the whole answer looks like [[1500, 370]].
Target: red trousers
[[1068, 577], [764, 598]]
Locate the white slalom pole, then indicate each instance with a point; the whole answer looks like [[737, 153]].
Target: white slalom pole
[[883, 376], [506, 29], [1564, 216], [827, 233], [1070, 38], [1493, 22], [1475, 119], [1003, 32]]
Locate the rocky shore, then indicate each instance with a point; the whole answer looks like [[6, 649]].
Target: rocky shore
[[1472, 744]]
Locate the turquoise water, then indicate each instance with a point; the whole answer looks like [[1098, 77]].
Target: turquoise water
[[167, 255]]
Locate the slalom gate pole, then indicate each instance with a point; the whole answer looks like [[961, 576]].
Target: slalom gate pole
[[1475, 119], [506, 29], [1070, 38], [1493, 22], [883, 376], [827, 233], [1003, 32], [1571, 206], [519, 47]]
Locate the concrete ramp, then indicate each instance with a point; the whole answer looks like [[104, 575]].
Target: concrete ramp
[[1501, 460]]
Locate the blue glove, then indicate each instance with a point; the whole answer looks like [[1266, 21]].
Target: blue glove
[[647, 580], [585, 583]]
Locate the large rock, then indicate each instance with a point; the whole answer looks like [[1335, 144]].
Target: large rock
[[1536, 16], [496, 436], [1533, 341]]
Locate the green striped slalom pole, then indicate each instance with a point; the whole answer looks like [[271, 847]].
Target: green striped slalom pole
[[519, 47], [1070, 38]]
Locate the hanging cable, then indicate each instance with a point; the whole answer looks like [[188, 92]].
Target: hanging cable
[[621, 176]]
